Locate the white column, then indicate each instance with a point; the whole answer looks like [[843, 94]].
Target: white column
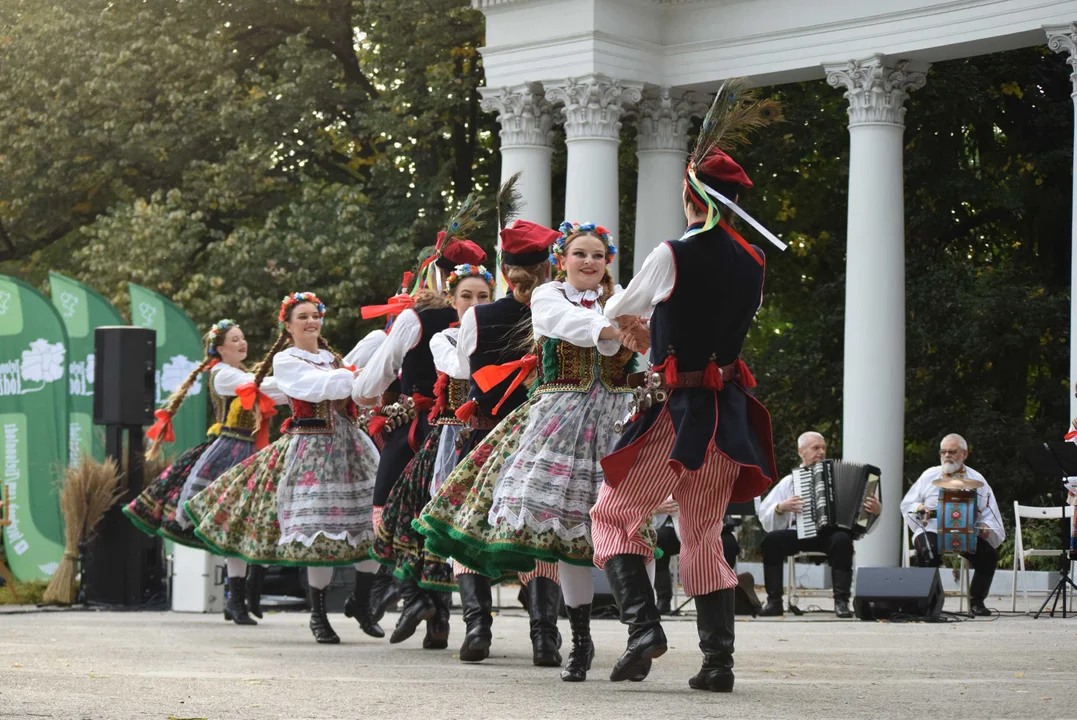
[[526, 119], [662, 149], [874, 382], [1063, 38], [592, 107]]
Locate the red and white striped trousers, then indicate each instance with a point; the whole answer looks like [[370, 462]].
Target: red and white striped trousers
[[703, 496], [542, 569]]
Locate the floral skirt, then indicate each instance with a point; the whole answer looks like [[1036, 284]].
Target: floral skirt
[[156, 510], [544, 495], [304, 500], [220, 457], [397, 544], [455, 520]]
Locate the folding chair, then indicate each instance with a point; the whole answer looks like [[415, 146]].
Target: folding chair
[[1021, 554]]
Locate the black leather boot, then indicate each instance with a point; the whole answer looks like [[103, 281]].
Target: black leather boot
[[417, 607], [843, 583], [478, 607], [358, 605], [236, 606], [383, 593], [319, 618], [437, 627], [544, 601], [772, 579], [646, 640], [583, 649], [714, 620], [663, 587], [256, 575]]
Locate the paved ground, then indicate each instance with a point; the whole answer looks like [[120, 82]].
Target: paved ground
[[71, 664]]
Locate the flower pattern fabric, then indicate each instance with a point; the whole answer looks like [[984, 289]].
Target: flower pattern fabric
[[306, 500], [398, 544], [221, 456], [156, 509]]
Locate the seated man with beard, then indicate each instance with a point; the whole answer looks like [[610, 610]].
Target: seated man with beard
[[922, 500]]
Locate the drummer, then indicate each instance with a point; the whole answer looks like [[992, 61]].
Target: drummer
[[918, 509]]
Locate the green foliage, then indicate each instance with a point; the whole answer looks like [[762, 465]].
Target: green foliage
[[227, 153]]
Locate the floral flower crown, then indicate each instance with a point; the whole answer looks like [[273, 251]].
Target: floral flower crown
[[568, 229], [219, 328], [290, 301], [467, 270]]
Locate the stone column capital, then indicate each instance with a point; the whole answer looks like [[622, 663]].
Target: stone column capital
[[664, 119], [593, 105], [1063, 38], [875, 90], [525, 115]]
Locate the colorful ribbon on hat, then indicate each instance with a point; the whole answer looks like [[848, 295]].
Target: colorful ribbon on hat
[[492, 375], [161, 431], [706, 192], [248, 395]]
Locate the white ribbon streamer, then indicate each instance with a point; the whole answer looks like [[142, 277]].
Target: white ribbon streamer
[[745, 216]]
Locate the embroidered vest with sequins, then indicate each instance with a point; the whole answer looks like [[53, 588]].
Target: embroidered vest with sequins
[[569, 368], [450, 394], [234, 421], [319, 418]]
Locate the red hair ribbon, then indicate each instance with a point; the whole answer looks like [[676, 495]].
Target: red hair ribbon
[[397, 304], [248, 395], [161, 431], [1070, 435], [740, 241], [491, 375], [406, 280]]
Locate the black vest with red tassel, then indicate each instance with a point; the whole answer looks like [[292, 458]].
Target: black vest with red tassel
[[701, 327]]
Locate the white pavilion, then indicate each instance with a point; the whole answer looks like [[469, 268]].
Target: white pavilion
[[586, 62]]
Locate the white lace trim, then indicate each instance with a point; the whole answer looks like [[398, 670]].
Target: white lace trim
[[526, 519], [308, 540], [322, 356], [577, 296]]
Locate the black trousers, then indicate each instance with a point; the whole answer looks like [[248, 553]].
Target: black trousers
[[837, 544], [670, 545], [984, 561]]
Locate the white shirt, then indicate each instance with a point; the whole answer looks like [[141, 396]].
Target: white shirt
[[651, 285], [384, 366], [446, 359], [227, 378], [767, 508], [924, 493], [553, 315], [364, 350], [311, 377]]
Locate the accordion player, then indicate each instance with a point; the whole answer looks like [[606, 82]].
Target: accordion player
[[834, 492]]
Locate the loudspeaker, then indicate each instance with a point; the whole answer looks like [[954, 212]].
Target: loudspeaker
[[885, 592], [124, 378]]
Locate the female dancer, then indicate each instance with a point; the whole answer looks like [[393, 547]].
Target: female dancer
[[306, 499], [490, 335], [397, 543], [230, 441], [405, 357]]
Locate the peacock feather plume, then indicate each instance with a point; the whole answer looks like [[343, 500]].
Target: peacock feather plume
[[509, 201], [736, 112]]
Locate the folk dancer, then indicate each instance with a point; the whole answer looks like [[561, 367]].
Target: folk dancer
[[697, 434]]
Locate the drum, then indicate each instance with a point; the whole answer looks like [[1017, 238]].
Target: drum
[[956, 514]]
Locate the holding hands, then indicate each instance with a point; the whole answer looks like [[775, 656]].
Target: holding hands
[[634, 334]]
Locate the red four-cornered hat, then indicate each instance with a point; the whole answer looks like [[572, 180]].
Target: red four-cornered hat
[[722, 168], [526, 243], [461, 252]]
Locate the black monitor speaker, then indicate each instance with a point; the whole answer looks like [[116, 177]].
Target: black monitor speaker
[[125, 364], [883, 593]]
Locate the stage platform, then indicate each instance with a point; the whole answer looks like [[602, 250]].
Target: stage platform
[[85, 664]]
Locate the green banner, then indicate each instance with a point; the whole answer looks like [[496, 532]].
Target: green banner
[[33, 427], [179, 351], [83, 309]]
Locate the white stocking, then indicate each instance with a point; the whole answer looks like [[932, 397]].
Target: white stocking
[[367, 566], [650, 571], [319, 577], [236, 567], [577, 584]]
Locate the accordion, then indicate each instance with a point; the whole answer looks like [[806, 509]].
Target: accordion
[[833, 492]]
